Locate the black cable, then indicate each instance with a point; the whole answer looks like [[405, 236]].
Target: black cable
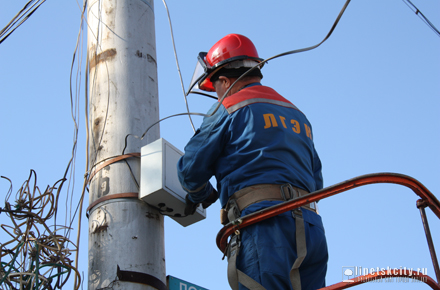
[[143, 135], [155, 123], [12, 25], [132, 175], [420, 14], [283, 54]]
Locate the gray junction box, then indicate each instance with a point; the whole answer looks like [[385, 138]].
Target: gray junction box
[[160, 186]]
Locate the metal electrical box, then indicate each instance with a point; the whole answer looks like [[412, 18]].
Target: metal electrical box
[[160, 186]]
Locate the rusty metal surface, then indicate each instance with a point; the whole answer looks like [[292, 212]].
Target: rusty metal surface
[[108, 162], [362, 180], [109, 197], [376, 276], [103, 56]]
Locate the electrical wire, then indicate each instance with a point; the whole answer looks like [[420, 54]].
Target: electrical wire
[[35, 209], [155, 123], [177, 64], [75, 112], [74, 108], [283, 54], [22, 15], [142, 137], [408, 2], [421, 16], [242, 76], [32, 244]]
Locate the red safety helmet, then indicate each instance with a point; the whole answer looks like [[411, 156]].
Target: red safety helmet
[[231, 48]]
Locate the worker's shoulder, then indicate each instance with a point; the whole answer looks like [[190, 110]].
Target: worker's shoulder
[[253, 95]]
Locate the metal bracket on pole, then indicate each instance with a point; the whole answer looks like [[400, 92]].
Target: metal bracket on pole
[[421, 204], [142, 278], [109, 197]]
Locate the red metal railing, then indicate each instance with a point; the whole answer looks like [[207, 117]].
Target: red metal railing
[[427, 200], [387, 275]]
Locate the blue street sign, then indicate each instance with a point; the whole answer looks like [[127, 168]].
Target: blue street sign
[[178, 284]]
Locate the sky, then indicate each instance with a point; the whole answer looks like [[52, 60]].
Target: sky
[[371, 92]]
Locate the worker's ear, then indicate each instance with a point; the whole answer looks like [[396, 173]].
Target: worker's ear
[[226, 81]]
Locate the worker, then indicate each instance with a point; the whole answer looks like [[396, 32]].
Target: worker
[[259, 146]]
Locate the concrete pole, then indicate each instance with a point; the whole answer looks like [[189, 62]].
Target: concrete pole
[[123, 91]]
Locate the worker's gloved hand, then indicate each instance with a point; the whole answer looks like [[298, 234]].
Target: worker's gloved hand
[[190, 207], [211, 199]]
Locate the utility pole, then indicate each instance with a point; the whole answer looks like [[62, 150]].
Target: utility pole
[[123, 230]]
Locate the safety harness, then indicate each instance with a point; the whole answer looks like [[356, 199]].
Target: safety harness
[[253, 194]]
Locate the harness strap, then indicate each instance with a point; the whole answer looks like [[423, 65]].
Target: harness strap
[[234, 275], [257, 193], [261, 192], [234, 211], [241, 200], [301, 250]]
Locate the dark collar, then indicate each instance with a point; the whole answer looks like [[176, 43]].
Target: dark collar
[[251, 85]]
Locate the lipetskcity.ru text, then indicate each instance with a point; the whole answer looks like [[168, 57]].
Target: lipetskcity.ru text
[[358, 270]]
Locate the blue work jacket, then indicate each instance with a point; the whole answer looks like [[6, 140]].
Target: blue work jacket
[[255, 137]]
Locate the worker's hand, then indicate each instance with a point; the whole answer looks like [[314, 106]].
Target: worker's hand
[[190, 207], [211, 199]]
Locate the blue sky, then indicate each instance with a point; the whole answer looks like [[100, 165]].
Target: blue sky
[[371, 92]]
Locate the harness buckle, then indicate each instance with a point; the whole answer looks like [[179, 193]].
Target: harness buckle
[[290, 191], [297, 212], [293, 193], [233, 211], [234, 245]]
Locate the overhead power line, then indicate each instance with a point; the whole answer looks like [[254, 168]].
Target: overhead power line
[[420, 14], [20, 18]]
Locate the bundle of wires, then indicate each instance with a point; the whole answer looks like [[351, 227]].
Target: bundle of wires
[[35, 256], [20, 18]]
